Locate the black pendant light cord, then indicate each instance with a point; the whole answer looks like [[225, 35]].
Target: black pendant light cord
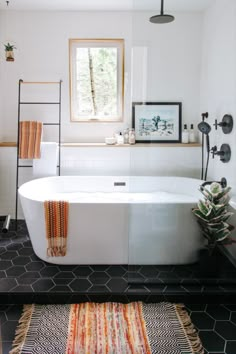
[[162, 7]]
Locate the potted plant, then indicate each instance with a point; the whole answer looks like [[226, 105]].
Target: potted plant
[[212, 216], [9, 51]]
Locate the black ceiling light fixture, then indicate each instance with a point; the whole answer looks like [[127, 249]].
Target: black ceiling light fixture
[[162, 18]]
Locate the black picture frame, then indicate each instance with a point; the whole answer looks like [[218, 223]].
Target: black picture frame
[[157, 122]]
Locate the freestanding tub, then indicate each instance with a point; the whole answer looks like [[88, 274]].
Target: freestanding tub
[[118, 220]]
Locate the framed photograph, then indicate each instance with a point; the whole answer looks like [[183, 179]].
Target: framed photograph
[[156, 122]]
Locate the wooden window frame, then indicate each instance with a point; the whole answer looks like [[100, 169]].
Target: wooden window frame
[[75, 43]]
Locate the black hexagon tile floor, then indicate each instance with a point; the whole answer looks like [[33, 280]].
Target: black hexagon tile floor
[[24, 277], [215, 325]]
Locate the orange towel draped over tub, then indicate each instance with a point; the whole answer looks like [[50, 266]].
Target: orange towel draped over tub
[[30, 139], [56, 220]]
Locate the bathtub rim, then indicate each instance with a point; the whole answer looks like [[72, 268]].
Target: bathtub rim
[[24, 191]]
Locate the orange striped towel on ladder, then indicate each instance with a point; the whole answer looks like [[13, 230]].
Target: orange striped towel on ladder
[[30, 135], [56, 220]]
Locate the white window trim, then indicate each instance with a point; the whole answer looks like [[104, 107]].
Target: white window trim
[[119, 44]]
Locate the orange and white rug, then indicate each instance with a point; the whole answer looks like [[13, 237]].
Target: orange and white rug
[[106, 328]]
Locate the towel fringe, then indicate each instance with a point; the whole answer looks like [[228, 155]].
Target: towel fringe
[[56, 251], [22, 329], [189, 329]]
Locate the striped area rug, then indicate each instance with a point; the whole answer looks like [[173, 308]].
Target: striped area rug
[[106, 328]]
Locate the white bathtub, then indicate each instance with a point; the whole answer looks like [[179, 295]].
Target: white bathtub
[[147, 220]]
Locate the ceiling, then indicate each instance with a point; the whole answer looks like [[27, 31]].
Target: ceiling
[[107, 5]]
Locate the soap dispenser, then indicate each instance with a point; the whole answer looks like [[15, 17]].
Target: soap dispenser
[[185, 135], [192, 136], [120, 139]]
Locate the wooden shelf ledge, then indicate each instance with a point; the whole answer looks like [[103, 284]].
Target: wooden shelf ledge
[[7, 144], [137, 145]]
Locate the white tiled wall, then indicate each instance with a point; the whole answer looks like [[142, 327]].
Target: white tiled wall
[[159, 161]]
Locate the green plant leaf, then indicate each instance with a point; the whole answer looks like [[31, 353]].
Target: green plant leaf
[[199, 214], [9, 47], [222, 194], [223, 226], [215, 189], [222, 217], [224, 200], [205, 208], [206, 193], [217, 209], [222, 235], [214, 227], [207, 236], [217, 206]]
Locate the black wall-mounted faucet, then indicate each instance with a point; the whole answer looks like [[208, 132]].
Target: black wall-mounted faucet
[[226, 124], [224, 152]]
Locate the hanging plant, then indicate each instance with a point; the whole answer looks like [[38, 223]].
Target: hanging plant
[[9, 51]]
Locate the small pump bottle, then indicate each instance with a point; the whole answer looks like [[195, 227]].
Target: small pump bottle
[[192, 136], [126, 136], [132, 138], [185, 135], [120, 139]]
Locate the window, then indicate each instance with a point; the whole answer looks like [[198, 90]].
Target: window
[[96, 79]]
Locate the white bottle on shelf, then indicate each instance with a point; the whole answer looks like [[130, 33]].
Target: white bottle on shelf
[[126, 136], [132, 136], [192, 136], [120, 139], [185, 135]]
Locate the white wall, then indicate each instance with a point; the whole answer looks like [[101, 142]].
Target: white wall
[[218, 80], [218, 86], [41, 38], [169, 68]]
